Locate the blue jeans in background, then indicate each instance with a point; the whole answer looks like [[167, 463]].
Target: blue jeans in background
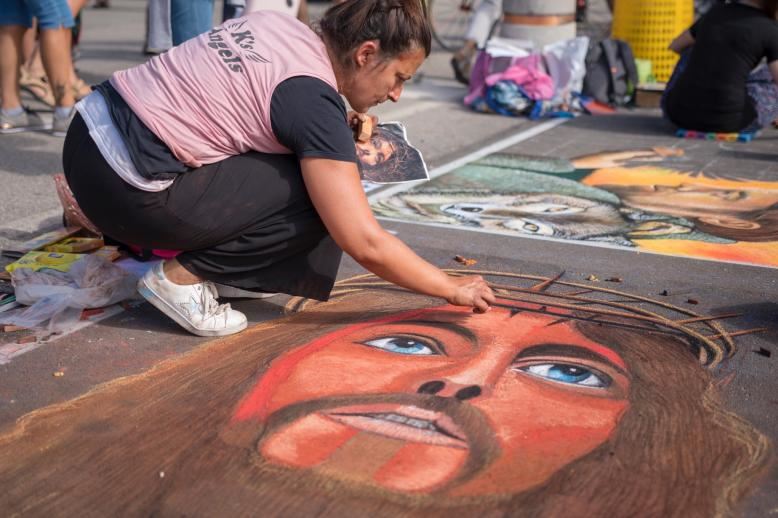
[[190, 18], [51, 14]]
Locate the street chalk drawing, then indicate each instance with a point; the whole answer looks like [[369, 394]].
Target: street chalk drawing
[[637, 199], [385, 403]]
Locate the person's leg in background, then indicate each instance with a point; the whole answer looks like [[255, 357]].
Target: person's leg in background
[[33, 78], [190, 18], [581, 8], [15, 19], [159, 35], [79, 86], [484, 19], [55, 20], [30, 43], [233, 9]]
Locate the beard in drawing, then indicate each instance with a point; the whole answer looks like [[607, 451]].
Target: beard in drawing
[[441, 400]]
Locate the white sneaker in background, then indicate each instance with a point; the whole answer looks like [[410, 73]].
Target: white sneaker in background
[[194, 307], [27, 120], [231, 292]]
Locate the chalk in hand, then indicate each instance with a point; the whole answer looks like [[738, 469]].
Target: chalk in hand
[[364, 129]]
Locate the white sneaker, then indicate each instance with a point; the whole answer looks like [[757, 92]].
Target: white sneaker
[[231, 292], [193, 307]]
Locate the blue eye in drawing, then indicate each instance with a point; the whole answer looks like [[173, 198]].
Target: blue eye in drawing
[[569, 374], [403, 345]]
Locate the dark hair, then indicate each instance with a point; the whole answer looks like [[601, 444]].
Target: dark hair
[[685, 433], [766, 231], [396, 167], [398, 25], [770, 8]]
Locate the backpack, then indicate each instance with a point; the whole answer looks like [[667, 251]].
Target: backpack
[[611, 73]]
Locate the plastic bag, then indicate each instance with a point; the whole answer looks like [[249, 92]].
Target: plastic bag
[[527, 73], [59, 297], [566, 63]]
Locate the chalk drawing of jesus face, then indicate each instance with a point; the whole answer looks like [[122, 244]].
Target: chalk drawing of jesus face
[[441, 400]]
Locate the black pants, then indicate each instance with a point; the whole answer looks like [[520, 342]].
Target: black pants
[[246, 221]]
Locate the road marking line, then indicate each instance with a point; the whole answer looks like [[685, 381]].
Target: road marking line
[[401, 112]]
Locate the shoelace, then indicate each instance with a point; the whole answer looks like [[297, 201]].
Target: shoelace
[[210, 305]]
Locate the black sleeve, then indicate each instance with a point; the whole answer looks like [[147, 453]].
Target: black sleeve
[[771, 46], [309, 117], [696, 27]]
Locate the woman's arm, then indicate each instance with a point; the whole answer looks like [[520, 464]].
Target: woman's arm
[[682, 42], [336, 191]]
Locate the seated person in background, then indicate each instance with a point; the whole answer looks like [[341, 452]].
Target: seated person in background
[[480, 28], [713, 88]]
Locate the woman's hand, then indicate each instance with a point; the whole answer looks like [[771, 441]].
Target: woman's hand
[[356, 121], [336, 192], [356, 117], [471, 291]]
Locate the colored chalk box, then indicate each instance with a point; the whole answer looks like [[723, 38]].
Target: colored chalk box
[[721, 137]]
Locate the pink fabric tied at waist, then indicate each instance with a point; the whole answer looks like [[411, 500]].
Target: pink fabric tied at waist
[[163, 254], [528, 73]]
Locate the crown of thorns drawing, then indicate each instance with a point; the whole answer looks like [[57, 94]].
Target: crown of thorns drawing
[[706, 335]]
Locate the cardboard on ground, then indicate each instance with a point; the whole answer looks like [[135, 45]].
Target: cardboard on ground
[[41, 241], [74, 245], [57, 260]]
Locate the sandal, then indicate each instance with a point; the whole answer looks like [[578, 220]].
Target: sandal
[[38, 87], [81, 89]]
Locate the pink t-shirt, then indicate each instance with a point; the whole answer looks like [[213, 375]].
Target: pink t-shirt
[[209, 98]]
